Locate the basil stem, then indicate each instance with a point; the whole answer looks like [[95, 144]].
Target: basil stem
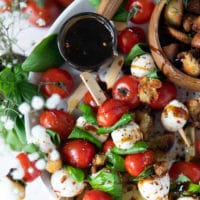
[[79, 133], [136, 148], [125, 119], [88, 113]]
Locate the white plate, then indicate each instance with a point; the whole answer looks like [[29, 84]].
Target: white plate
[[76, 7]]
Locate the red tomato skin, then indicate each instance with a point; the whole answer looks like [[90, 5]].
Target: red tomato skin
[[126, 89], [49, 12], [58, 121], [96, 194], [7, 5], [110, 112], [143, 15], [128, 37], [166, 93], [78, 153], [136, 163], [189, 169], [88, 99], [26, 165], [108, 145], [65, 2], [57, 75]]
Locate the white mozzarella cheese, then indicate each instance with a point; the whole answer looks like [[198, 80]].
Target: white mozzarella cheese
[[155, 188], [126, 136], [64, 185], [142, 65], [174, 116]]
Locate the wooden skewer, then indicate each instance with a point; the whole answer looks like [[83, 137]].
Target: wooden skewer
[[113, 71], [76, 97], [93, 87], [185, 139]]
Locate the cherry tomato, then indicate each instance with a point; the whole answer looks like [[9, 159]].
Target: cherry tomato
[[57, 81], [59, 121], [126, 89], [189, 169], [128, 37], [78, 153], [166, 93], [42, 15], [5, 5], [108, 145], [96, 194], [88, 99], [65, 2], [30, 171], [110, 112], [141, 9], [136, 163]]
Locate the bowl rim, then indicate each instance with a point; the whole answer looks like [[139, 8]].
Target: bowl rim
[[169, 70]]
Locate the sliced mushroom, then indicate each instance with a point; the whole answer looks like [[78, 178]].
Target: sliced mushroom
[[188, 22], [191, 65], [196, 41], [193, 6], [171, 50], [196, 24], [178, 35]]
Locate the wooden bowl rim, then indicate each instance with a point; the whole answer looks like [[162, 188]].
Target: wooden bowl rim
[[169, 70]]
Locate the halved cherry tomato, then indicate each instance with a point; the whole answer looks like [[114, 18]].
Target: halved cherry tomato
[[78, 153], [126, 89], [110, 112], [42, 15], [141, 9], [57, 81], [189, 169], [96, 194], [136, 163], [166, 93], [58, 121], [65, 2], [30, 171], [5, 5], [88, 99], [128, 37], [108, 145]]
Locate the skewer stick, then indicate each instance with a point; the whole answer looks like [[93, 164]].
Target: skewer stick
[[76, 97], [185, 139], [113, 71], [93, 87]]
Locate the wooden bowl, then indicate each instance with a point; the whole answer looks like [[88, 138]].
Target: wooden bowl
[[163, 63]]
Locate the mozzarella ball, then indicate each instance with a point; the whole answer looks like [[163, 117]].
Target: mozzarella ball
[[155, 188], [64, 185], [142, 65], [126, 136], [174, 116]]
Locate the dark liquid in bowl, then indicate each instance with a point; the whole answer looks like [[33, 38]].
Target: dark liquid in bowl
[[88, 43]]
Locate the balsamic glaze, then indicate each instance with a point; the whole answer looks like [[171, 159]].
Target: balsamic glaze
[[88, 43]]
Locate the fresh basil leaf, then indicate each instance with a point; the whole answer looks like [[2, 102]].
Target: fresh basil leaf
[[20, 130], [20, 75], [137, 50], [54, 137], [193, 188], [95, 3], [156, 74], [116, 160], [31, 148], [79, 133], [76, 173], [136, 148], [147, 172], [125, 119], [88, 113], [108, 181]]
